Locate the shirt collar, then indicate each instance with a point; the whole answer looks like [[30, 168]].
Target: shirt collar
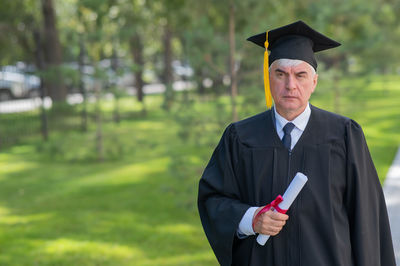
[[300, 121]]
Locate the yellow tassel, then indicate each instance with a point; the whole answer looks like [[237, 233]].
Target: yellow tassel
[[268, 96]]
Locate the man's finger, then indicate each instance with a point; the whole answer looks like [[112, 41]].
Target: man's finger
[[278, 216]]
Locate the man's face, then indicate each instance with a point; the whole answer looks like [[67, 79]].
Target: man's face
[[291, 88]]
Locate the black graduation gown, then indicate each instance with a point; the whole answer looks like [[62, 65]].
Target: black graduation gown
[[340, 216]]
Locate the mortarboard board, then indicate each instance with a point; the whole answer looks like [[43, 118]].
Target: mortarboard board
[[293, 41]]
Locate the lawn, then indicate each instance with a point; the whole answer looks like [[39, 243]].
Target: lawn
[[59, 206], [131, 211]]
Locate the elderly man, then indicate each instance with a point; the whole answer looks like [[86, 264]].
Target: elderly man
[[339, 218]]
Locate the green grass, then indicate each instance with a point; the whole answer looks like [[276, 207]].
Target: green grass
[[130, 211], [59, 206]]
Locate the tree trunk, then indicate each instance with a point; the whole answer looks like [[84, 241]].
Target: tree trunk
[[99, 126], [199, 80], [82, 89], [232, 59], [114, 84], [41, 65], [167, 75], [137, 53], [53, 54]]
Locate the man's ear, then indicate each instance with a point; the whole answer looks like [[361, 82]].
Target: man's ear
[[315, 81]]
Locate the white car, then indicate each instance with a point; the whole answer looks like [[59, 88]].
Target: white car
[[16, 84]]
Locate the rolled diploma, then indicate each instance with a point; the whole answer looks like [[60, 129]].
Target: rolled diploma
[[290, 195]]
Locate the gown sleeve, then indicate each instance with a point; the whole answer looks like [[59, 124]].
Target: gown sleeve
[[219, 197], [371, 239]]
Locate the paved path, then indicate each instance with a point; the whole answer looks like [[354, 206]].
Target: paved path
[[24, 105], [391, 189]]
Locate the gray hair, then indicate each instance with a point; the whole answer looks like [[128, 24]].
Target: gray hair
[[284, 62]]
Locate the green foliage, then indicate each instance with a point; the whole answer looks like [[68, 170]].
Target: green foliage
[[369, 33], [15, 126], [18, 20]]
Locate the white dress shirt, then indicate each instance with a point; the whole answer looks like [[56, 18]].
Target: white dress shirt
[[300, 123], [245, 226]]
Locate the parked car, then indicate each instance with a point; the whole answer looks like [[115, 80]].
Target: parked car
[[123, 79], [14, 83]]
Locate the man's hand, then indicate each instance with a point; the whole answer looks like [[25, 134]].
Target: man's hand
[[270, 222]]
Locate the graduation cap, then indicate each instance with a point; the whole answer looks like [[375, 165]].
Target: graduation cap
[[294, 41]]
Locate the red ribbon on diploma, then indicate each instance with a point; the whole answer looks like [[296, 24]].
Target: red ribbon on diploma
[[274, 204]]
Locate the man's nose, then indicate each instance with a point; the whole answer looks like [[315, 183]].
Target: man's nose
[[290, 82]]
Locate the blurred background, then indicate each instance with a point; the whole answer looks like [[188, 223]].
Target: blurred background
[[110, 111]]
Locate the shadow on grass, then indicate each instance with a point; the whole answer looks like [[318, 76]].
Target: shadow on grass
[[67, 213]]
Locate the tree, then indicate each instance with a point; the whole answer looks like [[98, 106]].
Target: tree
[[169, 16], [133, 21], [137, 50], [362, 30], [232, 64], [53, 54], [18, 20]]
